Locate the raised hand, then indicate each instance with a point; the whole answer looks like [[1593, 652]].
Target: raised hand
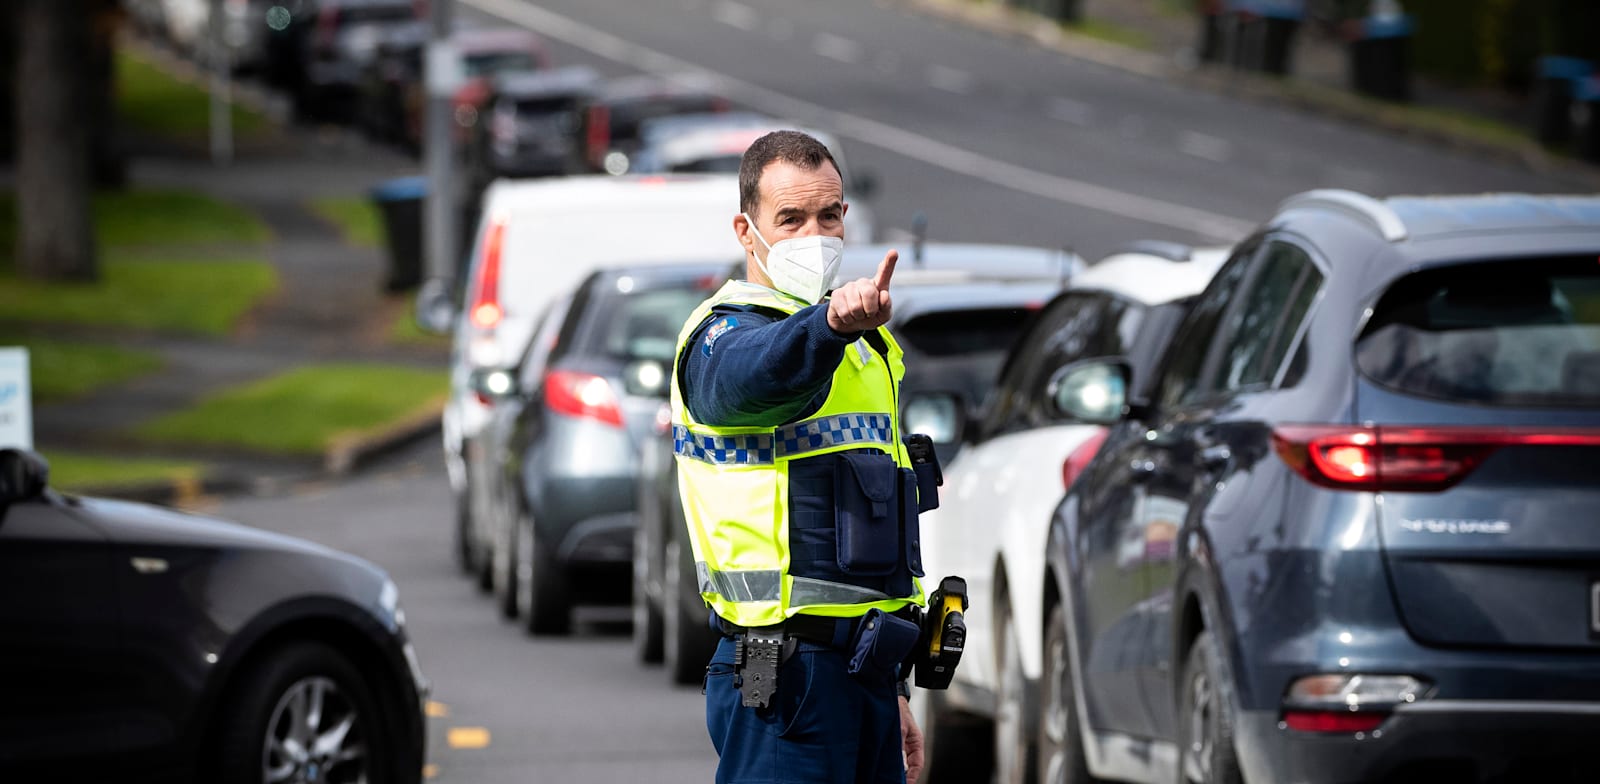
[[863, 303]]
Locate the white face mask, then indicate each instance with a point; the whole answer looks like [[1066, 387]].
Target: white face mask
[[802, 267]]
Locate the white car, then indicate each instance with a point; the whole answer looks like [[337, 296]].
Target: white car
[[538, 238], [1002, 487]]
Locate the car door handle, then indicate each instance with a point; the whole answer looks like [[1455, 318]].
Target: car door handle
[[1216, 457]]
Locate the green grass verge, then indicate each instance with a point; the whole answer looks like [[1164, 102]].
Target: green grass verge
[[1111, 32], [142, 293], [151, 99], [152, 218], [304, 411], [59, 370], [355, 217], [405, 331], [74, 473]]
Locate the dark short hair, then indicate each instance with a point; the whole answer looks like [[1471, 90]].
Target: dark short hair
[[792, 147]]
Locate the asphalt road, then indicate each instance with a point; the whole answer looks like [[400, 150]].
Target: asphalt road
[[997, 140], [991, 139]]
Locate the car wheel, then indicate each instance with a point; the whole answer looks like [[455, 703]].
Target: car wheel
[[1061, 756], [689, 641], [1014, 759], [463, 544], [542, 585], [506, 589], [647, 644], [304, 713], [1205, 718], [956, 748]]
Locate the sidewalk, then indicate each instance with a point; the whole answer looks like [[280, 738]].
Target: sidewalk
[[1161, 39]]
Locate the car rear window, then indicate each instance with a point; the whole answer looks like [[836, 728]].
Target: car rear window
[[641, 323], [957, 332], [1513, 333], [495, 62]]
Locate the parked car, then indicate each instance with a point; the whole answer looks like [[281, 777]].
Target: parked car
[[702, 143], [141, 644], [612, 116], [528, 127], [557, 458], [956, 310], [485, 54], [539, 238], [1018, 456], [1348, 536], [389, 92], [341, 42]]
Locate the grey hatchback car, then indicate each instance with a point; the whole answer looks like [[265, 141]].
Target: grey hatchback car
[[558, 458]]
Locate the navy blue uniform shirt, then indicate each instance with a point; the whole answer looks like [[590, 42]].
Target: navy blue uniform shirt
[[747, 366]]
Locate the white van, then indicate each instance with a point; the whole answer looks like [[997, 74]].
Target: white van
[[540, 237]]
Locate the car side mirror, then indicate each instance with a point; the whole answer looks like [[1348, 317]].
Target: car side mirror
[[24, 475], [493, 383], [436, 309], [1094, 391], [645, 378], [937, 415]]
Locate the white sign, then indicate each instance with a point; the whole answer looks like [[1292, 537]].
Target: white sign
[[16, 404]]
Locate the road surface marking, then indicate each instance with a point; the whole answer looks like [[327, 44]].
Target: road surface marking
[[1078, 193], [950, 79], [437, 710], [835, 47], [735, 15], [467, 738], [1200, 145], [430, 771]]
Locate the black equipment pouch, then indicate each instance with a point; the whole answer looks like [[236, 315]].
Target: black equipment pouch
[[756, 656], [881, 642], [865, 488], [925, 462], [944, 635]]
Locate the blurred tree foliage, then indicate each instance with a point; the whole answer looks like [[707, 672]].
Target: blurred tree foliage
[[1495, 43]]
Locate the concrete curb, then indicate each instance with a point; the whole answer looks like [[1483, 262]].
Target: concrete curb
[[1326, 101], [184, 492], [349, 454]]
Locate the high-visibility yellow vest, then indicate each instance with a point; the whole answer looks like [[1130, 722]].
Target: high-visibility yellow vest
[[735, 482]]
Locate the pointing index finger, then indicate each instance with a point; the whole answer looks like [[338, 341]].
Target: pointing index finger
[[886, 270]]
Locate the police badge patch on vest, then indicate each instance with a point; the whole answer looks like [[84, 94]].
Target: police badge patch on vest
[[717, 330]]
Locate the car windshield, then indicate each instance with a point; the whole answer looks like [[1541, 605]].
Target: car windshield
[[725, 164], [1514, 333], [642, 323], [495, 62]]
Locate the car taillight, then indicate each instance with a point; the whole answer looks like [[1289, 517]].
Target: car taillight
[[1420, 459], [1333, 721], [1348, 702], [599, 138], [582, 395], [1080, 458], [486, 312]]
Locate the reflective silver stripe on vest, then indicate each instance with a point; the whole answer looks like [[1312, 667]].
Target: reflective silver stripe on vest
[[809, 591], [755, 585], [788, 441]]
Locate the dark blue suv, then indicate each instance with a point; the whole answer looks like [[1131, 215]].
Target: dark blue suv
[[1354, 535]]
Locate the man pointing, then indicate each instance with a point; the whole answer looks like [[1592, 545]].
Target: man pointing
[[798, 491]]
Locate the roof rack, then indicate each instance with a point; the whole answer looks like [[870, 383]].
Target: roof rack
[[1171, 251], [1355, 205]]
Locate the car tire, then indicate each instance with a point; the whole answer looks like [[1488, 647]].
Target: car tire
[[465, 557], [647, 637], [274, 701], [1015, 759], [689, 641], [1060, 741], [956, 748], [506, 590], [1205, 717], [542, 585]]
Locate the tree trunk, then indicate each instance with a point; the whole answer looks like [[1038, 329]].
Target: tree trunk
[[108, 164], [55, 231]]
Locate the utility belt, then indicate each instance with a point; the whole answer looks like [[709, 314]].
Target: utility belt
[[880, 645]]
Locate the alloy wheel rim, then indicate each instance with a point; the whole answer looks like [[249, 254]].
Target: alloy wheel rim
[[1198, 753], [1008, 719], [314, 736], [1055, 718]]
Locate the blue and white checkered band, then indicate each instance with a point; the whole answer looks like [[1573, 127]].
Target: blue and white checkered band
[[790, 440], [743, 450], [824, 432]]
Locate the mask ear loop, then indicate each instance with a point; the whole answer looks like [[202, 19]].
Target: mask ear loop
[[759, 263]]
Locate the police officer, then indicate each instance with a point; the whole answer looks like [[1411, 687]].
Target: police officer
[[798, 491]]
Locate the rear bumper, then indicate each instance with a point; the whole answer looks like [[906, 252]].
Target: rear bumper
[[1463, 742], [590, 519]]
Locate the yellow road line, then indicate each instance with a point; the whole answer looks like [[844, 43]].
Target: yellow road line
[[467, 737], [436, 710], [430, 771]]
